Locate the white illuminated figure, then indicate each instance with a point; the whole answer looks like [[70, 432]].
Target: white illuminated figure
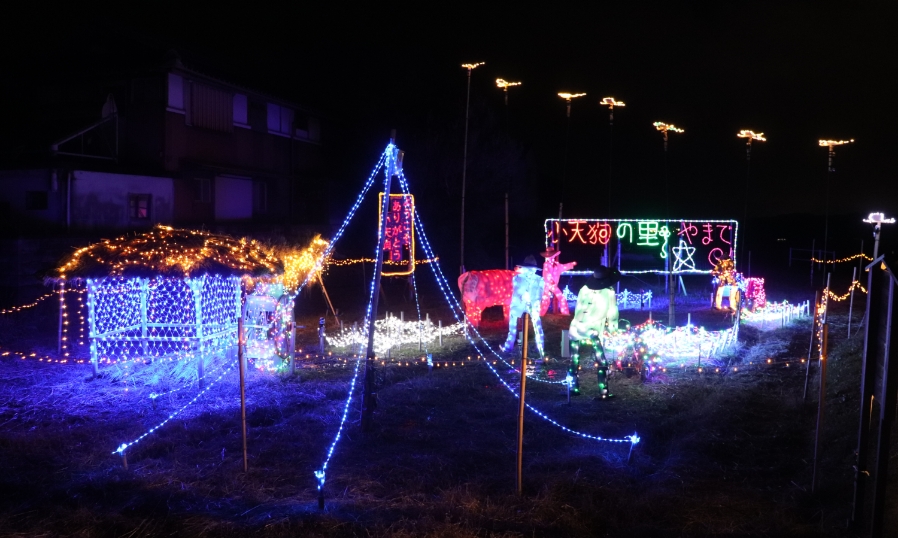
[[596, 308], [527, 293]]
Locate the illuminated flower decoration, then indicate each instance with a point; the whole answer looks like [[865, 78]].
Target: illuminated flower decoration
[[302, 264]]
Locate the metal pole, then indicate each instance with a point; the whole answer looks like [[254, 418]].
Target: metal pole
[[520, 484], [820, 403], [807, 372], [851, 298], [464, 170], [242, 366], [813, 241], [369, 399], [886, 409], [872, 317], [506, 229]]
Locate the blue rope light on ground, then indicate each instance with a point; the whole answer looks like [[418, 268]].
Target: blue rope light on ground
[[632, 439], [124, 446], [320, 474]]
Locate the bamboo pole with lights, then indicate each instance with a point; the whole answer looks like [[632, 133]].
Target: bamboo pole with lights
[[504, 85], [464, 169], [664, 128], [831, 152], [568, 97], [749, 136]]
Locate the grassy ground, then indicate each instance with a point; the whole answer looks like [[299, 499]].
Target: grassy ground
[[721, 454]]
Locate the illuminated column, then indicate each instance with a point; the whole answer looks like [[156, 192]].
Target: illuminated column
[[829, 144], [92, 325], [567, 97], [464, 168], [748, 136], [505, 85], [665, 128], [196, 288], [144, 295]]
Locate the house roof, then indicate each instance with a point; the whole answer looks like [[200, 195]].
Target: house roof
[[169, 252]]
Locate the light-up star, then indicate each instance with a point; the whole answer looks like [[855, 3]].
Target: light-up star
[[679, 260]]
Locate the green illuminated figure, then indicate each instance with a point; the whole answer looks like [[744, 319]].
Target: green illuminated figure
[[596, 308]]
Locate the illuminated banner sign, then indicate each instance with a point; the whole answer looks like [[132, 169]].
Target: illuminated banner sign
[[399, 241], [645, 246]]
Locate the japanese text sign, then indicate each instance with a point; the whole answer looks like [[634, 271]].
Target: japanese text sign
[[645, 245]]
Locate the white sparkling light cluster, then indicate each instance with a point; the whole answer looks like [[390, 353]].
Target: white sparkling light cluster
[[675, 347], [778, 312], [392, 333]]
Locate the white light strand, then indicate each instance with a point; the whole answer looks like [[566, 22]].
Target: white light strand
[[443, 284], [14, 309]]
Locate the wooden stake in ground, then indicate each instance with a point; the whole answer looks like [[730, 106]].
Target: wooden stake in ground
[[521, 407], [242, 367], [807, 371], [820, 402]]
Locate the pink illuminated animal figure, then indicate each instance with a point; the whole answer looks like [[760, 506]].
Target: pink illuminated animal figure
[[483, 289], [551, 274]]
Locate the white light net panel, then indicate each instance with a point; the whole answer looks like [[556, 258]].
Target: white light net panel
[[150, 318]]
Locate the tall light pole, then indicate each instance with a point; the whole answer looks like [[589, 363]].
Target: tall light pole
[[665, 128], [567, 97], [464, 168], [610, 102], [749, 136], [504, 85], [829, 144]]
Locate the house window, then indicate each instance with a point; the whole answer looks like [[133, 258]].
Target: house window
[[260, 197], [280, 120], [241, 118], [175, 93], [36, 200], [203, 190], [139, 206], [211, 108]]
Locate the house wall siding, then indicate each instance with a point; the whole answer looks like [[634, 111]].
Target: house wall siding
[[101, 200]]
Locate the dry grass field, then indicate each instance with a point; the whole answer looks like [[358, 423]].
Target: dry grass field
[[722, 453]]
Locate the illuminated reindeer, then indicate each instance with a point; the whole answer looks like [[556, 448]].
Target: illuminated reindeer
[[551, 274]]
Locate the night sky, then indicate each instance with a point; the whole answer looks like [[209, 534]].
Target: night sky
[[798, 72]]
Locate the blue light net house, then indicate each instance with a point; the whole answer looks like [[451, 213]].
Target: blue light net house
[[167, 294]]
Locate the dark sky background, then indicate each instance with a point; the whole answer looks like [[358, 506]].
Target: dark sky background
[[796, 71]]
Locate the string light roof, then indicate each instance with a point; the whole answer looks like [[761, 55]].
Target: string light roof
[[172, 252]]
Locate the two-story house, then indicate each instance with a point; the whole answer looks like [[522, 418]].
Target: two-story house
[[164, 143]]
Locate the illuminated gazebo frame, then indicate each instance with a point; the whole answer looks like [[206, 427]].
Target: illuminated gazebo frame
[[162, 317], [166, 294]]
